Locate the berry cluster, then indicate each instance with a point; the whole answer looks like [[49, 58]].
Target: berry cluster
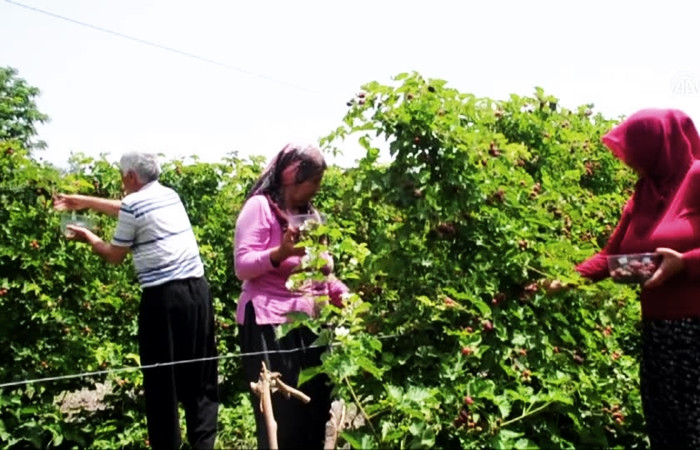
[[633, 268]]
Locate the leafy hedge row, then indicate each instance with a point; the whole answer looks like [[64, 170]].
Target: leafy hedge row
[[443, 247]]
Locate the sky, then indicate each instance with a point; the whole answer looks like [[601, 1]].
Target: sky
[[267, 72]]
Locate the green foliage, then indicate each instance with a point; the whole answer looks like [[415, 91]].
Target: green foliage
[[18, 112], [482, 201], [443, 248], [65, 310]]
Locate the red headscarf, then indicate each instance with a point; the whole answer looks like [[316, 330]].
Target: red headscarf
[[661, 144]]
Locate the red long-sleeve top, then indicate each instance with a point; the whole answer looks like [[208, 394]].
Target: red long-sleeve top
[[677, 229]]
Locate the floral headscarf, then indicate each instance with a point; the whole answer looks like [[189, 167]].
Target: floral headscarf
[[294, 164]]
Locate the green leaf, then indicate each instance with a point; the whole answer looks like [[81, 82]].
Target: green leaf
[[358, 439], [416, 428], [519, 339], [31, 287], [505, 439], [503, 405], [4, 435], [308, 373], [375, 343], [390, 432], [428, 438], [369, 366], [524, 444]]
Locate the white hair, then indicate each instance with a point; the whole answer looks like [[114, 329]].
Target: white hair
[[144, 165]]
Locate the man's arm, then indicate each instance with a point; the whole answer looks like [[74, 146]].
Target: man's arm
[[67, 202], [111, 253], [103, 205]]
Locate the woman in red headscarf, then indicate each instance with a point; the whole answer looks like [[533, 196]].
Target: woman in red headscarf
[[265, 255], [663, 217]]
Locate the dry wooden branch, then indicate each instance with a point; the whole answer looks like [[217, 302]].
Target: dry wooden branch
[[262, 389], [267, 384], [288, 391]]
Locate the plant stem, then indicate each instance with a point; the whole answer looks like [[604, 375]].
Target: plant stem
[[362, 410], [525, 414], [382, 411], [537, 271]]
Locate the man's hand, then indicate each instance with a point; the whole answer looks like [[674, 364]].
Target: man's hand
[[670, 266], [67, 202], [81, 234], [111, 253], [72, 202]]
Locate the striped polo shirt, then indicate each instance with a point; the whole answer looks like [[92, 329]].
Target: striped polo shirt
[[153, 223]]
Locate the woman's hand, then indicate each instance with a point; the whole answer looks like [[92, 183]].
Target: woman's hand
[[670, 266], [287, 247], [289, 242], [552, 287]]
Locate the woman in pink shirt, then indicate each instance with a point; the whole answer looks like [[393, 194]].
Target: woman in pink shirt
[[663, 216], [264, 257]]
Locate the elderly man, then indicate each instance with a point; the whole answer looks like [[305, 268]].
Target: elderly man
[[176, 318]]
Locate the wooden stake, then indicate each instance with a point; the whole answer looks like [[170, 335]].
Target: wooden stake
[[268, 383]]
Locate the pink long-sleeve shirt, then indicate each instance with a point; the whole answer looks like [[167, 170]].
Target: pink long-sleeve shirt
[[257, 234]]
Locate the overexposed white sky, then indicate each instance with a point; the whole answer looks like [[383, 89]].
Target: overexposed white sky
[[108, 94]]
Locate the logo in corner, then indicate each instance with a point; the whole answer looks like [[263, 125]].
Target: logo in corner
[[686, 84]]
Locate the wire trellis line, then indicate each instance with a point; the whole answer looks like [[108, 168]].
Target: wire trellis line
[[165, 364]]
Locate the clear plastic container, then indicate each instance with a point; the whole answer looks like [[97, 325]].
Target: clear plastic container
[[633, 268], [76, 220], [298, 220], [305, 223]]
